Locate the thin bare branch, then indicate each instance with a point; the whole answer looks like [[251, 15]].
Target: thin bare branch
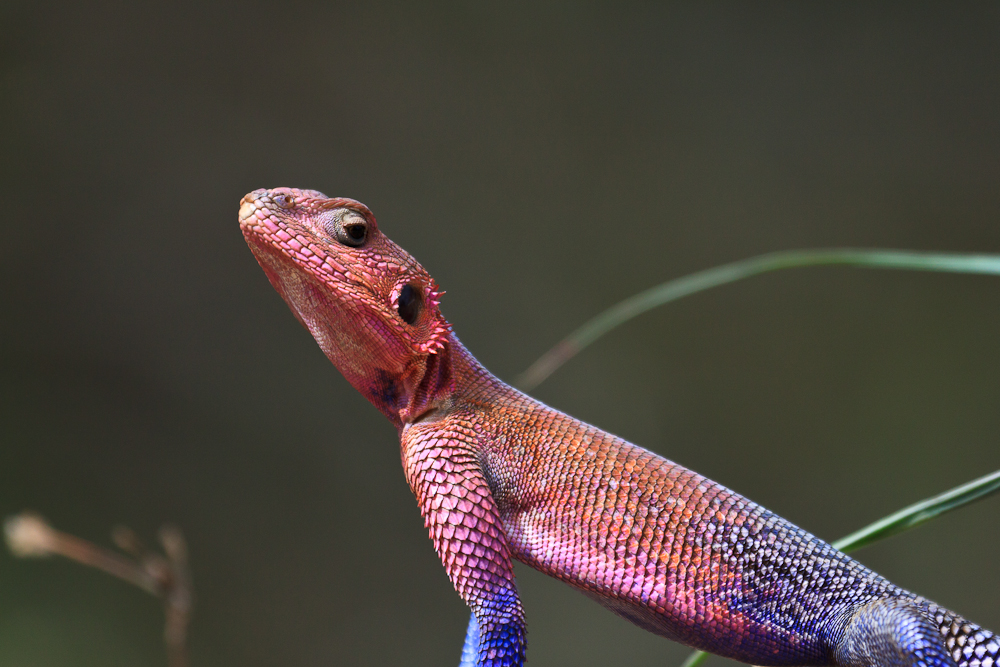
[[166, 576]]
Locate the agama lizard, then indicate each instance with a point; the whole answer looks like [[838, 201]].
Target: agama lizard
[[499, 476]]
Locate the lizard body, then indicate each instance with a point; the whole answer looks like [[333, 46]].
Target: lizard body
[[500, 476]]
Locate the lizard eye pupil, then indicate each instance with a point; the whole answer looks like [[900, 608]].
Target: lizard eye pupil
[[410, 303]]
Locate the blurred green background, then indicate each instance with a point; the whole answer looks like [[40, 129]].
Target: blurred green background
[[542, 160]]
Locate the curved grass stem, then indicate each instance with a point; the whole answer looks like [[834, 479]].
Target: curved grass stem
[[672, 290]]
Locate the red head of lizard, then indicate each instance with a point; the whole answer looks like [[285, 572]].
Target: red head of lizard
[[370, 305]]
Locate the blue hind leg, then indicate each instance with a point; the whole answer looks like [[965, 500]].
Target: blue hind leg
[[893, 632]]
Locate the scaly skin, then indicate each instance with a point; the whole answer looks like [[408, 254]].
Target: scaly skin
[[499, 476]]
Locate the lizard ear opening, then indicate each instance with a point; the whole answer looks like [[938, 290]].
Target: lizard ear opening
[[416, 304], [411, 302]]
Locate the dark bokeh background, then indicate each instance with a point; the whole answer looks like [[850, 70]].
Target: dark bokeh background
[[543, 161]]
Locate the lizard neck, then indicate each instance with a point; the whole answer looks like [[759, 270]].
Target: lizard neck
[[436, 383], [426, 387]]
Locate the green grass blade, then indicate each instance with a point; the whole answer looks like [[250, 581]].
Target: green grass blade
[[727, 273], [918, 513], [904, 519], [695, 659]]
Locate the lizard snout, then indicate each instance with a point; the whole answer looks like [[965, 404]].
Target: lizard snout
[[249, 205]]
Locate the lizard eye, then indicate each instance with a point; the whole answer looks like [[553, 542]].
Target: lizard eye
[[410, 303], [352, 230]]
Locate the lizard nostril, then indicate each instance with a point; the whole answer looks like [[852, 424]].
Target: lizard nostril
[[283, 199]]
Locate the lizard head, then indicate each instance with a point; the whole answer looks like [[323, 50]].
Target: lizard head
[[371, 307]]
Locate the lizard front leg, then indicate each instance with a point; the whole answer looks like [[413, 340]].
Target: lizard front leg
[[443, 470]]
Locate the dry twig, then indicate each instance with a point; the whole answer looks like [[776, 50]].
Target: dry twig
[[165, 576]]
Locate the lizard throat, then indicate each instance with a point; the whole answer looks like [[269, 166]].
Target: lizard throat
[[431, 386]]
